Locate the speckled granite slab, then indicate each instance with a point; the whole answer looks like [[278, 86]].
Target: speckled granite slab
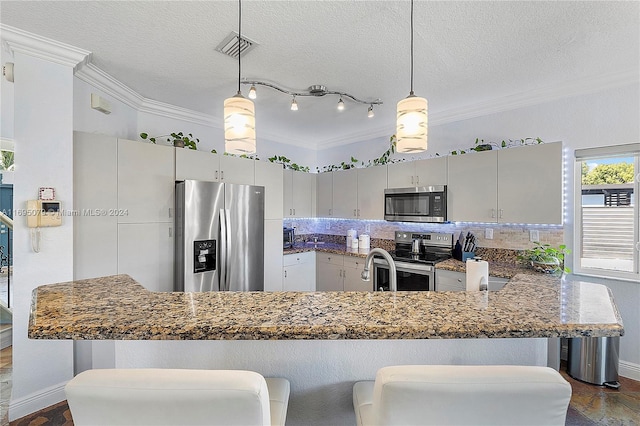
[[117, 307], [326, 248], [496, 268]]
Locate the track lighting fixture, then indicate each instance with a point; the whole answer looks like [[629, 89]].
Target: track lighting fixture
[[411, 117], [316, 90]]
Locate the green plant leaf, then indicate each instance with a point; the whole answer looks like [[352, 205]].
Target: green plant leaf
[[144, 135]]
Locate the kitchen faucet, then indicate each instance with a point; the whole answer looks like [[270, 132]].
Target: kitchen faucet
[[393, 279]]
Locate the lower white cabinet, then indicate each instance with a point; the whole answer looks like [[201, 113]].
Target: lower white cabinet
[[340, 273], [457, 281], [145, 252], [450, 280], [299, 272]]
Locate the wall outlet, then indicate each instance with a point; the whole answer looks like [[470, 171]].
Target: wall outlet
[[367, 228], [534, 235], [488, 234], [294, 225], [327, 226]]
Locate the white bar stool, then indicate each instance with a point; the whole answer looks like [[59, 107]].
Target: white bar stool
[[462, 395], [176, 397]]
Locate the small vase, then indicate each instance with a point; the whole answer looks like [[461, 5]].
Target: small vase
[[548, 267], [178, 143]]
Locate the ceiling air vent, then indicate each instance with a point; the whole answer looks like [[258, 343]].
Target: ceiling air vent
[[230, 46]]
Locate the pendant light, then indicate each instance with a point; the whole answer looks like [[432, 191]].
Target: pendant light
[[239, 112], [411, 117]]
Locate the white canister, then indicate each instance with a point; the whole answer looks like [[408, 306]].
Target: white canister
[[351, 235], [364, 241], [354, 243]]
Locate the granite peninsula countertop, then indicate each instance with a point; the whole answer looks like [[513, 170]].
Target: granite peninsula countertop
[[326, 247], [118, 308]]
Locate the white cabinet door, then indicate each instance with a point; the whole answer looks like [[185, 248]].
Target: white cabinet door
[[197, 165], [472, 194], [345, 194], [353, 267], [450, 280], [273, 259], [146, 181], [432, 171], [401, 175], [95, 189], [530, 184], [270, 176], [145, 252], [303, 194], [329, 277], [237, 170], [299, 272], [371, 184], [287, 196], [324, 194]]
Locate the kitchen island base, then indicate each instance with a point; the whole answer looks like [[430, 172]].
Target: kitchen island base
[[322, 372]]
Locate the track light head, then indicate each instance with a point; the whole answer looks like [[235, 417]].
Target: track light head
[[370, 113], [294, 104], [340, 104], [252, 92]]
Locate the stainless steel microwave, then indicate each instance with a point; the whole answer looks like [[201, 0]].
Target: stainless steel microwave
[[416, 204]]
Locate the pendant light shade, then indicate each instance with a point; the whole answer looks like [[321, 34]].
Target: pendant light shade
[[411, 124], [411, 116], [239, 125], [239, 113]]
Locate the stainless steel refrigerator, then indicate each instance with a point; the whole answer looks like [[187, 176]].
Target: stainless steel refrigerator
[[219, 237]]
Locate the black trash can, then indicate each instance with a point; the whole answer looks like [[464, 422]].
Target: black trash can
[[594, 360]]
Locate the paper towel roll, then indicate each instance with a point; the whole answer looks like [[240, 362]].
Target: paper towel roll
[[364, 241], [477, 271]]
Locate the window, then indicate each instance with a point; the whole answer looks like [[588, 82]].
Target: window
[[606, 212]]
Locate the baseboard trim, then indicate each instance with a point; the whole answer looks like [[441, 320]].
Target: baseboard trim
[[29, 404], [6, 337], [629, 370]]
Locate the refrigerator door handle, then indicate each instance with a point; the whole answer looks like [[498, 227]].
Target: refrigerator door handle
[[222, 267], [227, 261]]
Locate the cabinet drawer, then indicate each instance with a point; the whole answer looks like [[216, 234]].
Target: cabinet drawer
[[297, 258], [353, 262], [330, 258]]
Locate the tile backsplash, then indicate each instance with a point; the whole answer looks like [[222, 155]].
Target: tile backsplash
[[514, 237]]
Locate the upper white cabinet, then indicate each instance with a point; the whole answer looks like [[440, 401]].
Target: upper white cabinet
[[371, 182], [270, 175], [201, 165], [299, 194], [428, 172], [354, 193], [345, 194], [324, 190], [95, 188], [530, 184], [146, 180], [515, 185], [237, 170], [273, 256], [471, 187]]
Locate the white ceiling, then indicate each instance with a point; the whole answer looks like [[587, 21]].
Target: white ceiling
[[466, 53]]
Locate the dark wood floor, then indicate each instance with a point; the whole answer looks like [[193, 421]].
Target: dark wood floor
[[590, 405]]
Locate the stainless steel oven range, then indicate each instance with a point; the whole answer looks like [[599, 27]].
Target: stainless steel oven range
[[415, 255]]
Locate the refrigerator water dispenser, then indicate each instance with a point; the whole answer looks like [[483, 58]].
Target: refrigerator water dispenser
[[204, 256]]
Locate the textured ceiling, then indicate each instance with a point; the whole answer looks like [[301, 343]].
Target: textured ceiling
[[466, 53]]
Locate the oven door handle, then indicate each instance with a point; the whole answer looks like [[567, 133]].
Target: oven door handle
[[402, 266]]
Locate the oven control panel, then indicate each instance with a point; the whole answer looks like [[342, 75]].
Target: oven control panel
[[434, 239]]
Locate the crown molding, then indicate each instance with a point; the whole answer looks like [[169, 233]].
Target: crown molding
[[99, 79], [17, 40], [354, 137], [7, 144]]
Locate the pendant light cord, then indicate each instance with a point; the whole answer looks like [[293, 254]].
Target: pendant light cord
[[411, 92], [240, 41]]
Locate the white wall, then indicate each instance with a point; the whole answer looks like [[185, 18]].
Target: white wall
[[6, 102], [43, 134]]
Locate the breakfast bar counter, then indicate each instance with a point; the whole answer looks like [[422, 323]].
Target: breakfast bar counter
[[118, 308]]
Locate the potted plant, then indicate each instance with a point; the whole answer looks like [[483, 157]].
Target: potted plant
[[178, 140], [546, 259]]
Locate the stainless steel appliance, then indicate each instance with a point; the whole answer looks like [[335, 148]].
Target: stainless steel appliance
[[415, 270], [219, 237], [288, 237], [418, 204]]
